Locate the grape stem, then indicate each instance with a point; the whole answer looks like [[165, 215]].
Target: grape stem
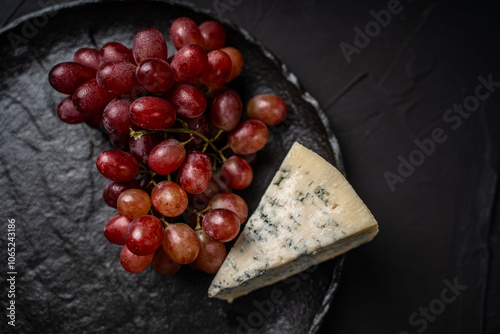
[[138, 134], [200, 214], [213, 139], [184, 143], [217, 135], [164, 222], [151, 183], [196, 133]]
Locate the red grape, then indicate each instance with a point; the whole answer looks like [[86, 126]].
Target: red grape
[[189, 63], [184, 31], [134, 263], [144, 235], [88, 57], [167, 157], [181, 243], [237, 172], [200, 201], [221, 182], [212, 254], [113, 190], [195, 172], [213, 34], [211, 93], [149, 43], [133, 203], [142, 147], [66, 77], [250, 158], [231, 202], [155, 75], [68, 114], [152, 113], [226, 109], [188, 101], [199, 124], [218, 69], [117, 165], [116, 117], [169, 199], [116, 228], [119, 141], [95, 121], [164, 265], [118, 78], [248, 137], [91, 98], [268, 108], [114, 51], [221, 225], [236, 61]]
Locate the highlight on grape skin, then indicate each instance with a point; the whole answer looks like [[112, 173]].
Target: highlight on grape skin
[[181, 243], [114, 51], [232, 202], [117, 165], [152, 113], [226, 109], [116, 229], [134, 203], [188, 101], [155, 75], [116, 117], [184, 31], [149, 43], [88, 57], [189, 63], [144, 235], [66, 77], [268, 108], [196, 172], [248, 137], [169, 199], [221, 225], [167, 157], [91, 98], [237, 172], [113, 189]]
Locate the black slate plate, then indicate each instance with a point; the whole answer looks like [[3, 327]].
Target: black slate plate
[[69, 278]]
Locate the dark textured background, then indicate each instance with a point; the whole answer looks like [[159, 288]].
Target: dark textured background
[[442, 223]]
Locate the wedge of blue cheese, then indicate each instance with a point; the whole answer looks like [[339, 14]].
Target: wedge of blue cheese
[[308, 214]]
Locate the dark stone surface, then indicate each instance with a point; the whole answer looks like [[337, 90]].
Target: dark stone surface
[[442, 223]]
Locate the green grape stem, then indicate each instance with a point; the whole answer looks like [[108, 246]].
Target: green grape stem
[[203, 137], [200, 214], [164, 222], [138, 134]]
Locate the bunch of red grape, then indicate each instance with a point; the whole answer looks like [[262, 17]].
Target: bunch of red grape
[[181, 143]]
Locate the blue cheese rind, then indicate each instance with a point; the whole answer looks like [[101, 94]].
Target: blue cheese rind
[[308, 214]]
